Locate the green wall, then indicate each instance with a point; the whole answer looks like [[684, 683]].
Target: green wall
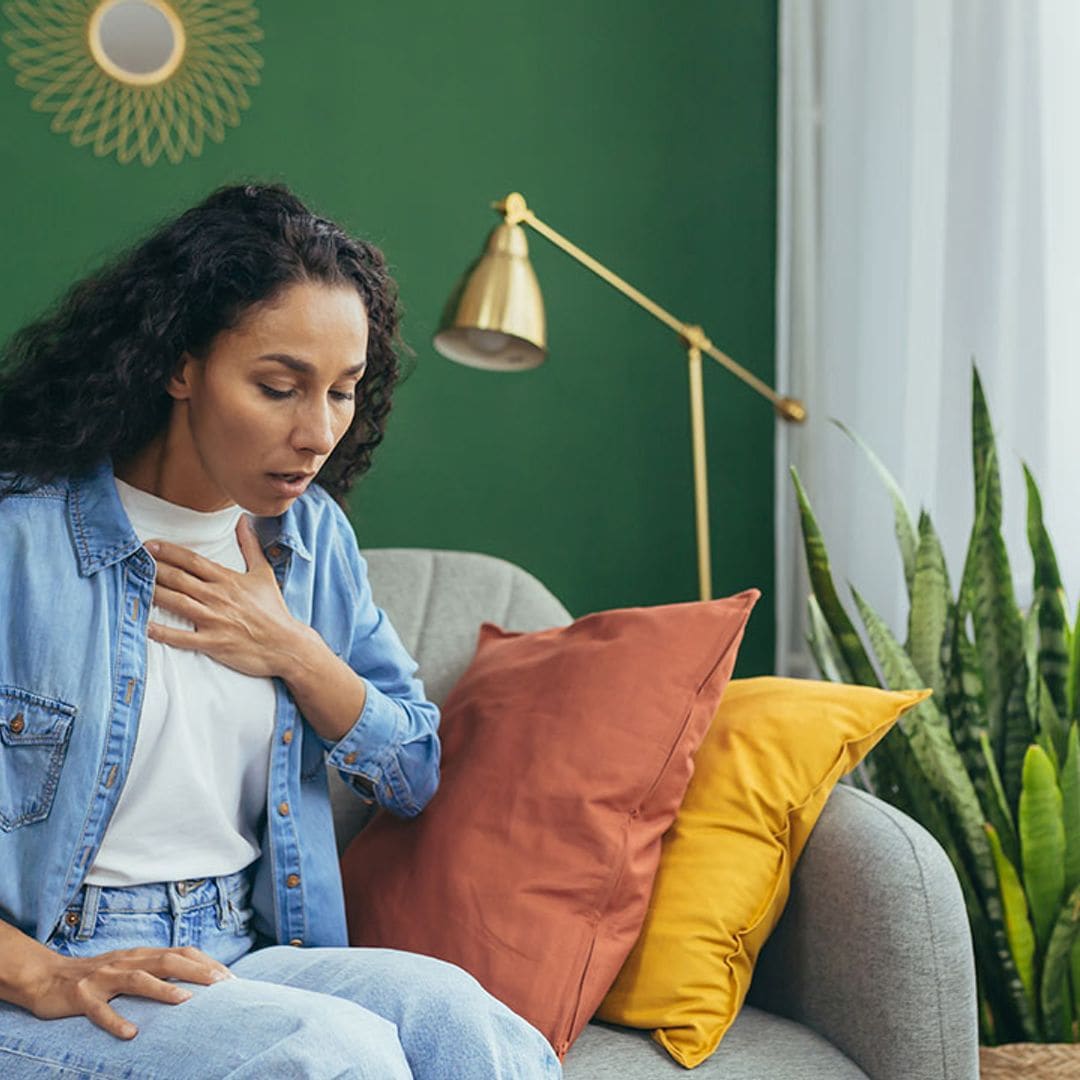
[[644, 132]]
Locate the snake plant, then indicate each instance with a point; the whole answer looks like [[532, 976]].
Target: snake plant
[[990, 763]]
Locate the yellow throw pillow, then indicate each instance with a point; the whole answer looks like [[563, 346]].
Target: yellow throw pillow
[[774, 752]]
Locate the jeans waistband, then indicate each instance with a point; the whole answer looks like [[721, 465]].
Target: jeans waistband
[[174, 897]]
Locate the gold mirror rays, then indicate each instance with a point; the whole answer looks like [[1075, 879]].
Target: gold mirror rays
[[138, 78]]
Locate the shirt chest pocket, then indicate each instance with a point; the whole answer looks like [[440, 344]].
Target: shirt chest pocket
[[34, 733]]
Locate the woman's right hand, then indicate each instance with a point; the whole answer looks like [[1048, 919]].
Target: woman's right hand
[[83, 986]]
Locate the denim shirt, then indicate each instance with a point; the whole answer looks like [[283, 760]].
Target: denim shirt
[[76, 587]]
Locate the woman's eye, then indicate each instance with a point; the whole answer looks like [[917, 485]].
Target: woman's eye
[[277, 395]]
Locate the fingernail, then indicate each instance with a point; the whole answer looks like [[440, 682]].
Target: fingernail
[[129, 1031], [182, 995], [152, 546], [220, 976]]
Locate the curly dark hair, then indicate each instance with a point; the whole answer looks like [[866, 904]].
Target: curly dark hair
[[88, 378]]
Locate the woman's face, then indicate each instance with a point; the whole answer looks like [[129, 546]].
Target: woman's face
[[255, 420]]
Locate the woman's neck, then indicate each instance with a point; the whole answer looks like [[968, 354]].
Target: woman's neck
[[169, 468]]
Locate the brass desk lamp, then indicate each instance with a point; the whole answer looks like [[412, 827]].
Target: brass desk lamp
[[495, 320]]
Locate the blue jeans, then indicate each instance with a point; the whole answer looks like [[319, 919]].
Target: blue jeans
[[369, 1014]]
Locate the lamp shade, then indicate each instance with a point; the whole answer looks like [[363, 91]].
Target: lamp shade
[[495, 316]]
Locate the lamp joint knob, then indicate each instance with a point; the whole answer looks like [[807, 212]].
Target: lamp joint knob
[[513, 208], [695, 338]]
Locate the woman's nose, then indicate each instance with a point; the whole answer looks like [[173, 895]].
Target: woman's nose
[[315, 432]]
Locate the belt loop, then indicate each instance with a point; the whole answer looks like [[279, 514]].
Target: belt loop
[[176, 910], [222, 901], [175, 906], [91, 896]]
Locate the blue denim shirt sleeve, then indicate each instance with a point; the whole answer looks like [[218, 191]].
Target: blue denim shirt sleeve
[[391, 754]]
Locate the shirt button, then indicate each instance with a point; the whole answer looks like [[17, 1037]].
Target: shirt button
[[283, 809], [350, 757], [296, 941], [17, 723], [72, 918], [286, 736], [273, 552], [292, 880]]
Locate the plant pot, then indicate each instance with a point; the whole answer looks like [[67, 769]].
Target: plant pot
[[1031, 1061]]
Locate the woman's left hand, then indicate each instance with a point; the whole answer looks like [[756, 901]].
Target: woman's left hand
[[240, 618]]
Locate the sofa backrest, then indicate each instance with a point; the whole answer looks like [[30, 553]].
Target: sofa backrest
[[436, 600]]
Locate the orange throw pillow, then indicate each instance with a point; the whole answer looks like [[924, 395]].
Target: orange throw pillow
[[566, 754]]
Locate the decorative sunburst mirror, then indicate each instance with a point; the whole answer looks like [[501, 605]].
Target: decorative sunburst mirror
[[138, 78]]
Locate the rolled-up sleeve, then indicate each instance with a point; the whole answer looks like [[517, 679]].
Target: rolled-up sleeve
[[391, 754]]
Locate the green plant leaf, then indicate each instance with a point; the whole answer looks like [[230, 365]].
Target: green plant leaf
[[1016, 736], [1070, 644], [1042, 842], [896, 666], [1074, 679], [1052, 730], [1017, 923], [1030, 638], [932, 747], [931, 602], [1047, 590], [1014, 1017], [905, 531], [1043, 723], [1055, 969], [1074, 977], [965, 702], [987, 592], [817, 563], [823, 646], [881, 774], [965, 711], [996, 806], [1070, 808], [984, 453]]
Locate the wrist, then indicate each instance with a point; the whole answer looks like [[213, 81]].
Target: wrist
[[328, 693], [301, 657], [25, 976]]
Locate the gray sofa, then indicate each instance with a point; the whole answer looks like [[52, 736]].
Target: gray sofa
[[869, 973]]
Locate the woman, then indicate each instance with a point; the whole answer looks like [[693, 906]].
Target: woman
[[175, 674]]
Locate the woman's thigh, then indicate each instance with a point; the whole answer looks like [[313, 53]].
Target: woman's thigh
[[312, 1013], [447, 1023], [291, 1012], [238, 1028], [242, 1029]]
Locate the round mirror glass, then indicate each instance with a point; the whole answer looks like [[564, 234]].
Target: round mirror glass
[[137, 41]]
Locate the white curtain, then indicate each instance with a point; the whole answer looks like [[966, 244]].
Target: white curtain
[[929, 215]]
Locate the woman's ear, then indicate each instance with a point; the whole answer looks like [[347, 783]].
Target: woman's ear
[[179, 386]]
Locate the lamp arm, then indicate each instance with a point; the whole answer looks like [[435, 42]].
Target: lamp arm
[[514, 208]]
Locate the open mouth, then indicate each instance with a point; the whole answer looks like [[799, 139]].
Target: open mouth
[[291, 483]]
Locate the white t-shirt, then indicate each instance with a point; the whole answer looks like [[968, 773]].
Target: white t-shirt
[[196, 790]]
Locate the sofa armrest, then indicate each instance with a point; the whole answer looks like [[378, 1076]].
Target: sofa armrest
[[873, 950]]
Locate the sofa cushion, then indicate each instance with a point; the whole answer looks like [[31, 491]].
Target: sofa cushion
[[566, 753], [774, 752], [759, 1046]]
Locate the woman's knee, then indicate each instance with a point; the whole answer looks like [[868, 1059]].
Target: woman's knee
[[282, 1031], [447, 1020], [448, 1024], [341, 1040]]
